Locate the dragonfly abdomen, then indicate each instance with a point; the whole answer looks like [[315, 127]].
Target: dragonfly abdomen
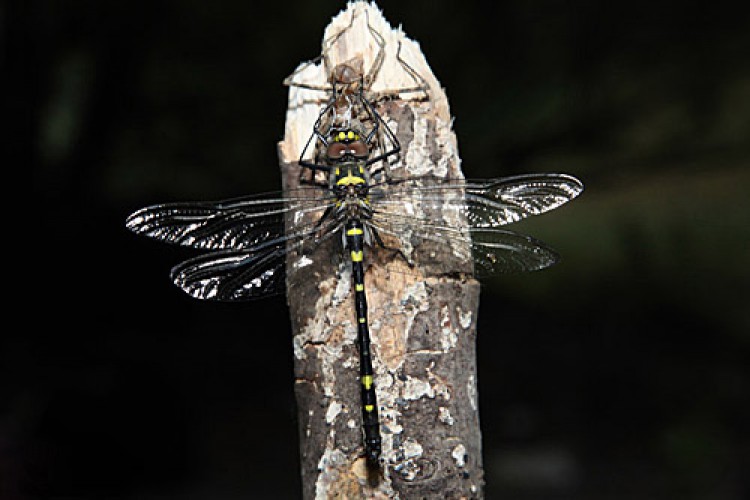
[[370, 424]]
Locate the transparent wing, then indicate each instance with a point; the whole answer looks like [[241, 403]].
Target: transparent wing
[[236, 224], [232, 275], [459, 216], [486, 203], [461, 219], [492, 250], [237, 275], [501, 251], [507, 200]]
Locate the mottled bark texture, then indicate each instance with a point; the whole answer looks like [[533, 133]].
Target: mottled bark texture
[[422, 314]]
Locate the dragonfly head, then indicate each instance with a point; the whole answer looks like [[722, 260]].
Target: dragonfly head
[[346, 145]]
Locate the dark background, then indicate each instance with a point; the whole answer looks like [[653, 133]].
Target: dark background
[[623, 372]]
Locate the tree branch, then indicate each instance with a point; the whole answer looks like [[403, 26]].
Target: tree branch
[[422, 317]]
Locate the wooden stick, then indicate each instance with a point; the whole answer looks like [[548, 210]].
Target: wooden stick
[[422, 320]]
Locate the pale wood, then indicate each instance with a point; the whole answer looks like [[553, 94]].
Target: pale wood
[[423, 326]]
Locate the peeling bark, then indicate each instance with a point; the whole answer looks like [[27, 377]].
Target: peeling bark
[[422, 317]]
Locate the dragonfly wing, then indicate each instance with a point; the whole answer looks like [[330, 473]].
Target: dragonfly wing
[[507, 200], [238, 275], [487, 203], [499, 251], [233, 275], [460, 220], [238, 224], [492, 250]]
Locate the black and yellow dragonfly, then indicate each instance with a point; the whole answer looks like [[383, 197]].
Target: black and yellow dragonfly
[[250, 242]]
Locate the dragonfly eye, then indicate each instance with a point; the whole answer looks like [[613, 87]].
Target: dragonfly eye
[[336, 150], [359, 149]]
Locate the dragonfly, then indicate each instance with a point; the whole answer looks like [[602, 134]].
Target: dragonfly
[[253, 244]]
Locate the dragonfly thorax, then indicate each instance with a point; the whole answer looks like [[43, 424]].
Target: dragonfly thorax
[[350, 174], [350, 183]]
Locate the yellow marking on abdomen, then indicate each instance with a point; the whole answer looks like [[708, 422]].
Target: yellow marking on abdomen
[[369, 408], [367, 381], [362, 320], [359, 287], [354, 231], [357, 256]]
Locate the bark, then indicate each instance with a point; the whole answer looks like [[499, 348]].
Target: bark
[[422, 318]]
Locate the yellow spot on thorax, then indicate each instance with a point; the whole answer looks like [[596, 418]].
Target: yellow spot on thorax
[[350, 180]]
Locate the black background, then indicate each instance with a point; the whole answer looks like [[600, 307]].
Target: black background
[[621, 373]]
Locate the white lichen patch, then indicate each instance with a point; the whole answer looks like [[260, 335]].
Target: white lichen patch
[[408, 208], [396, 428], [459, 455], [448, 335], [444, 415], [471, 390], [415, 388], [385, 380], [333, 411], [343, 287], [409, 468], [303, 261], [298, 347], [416, 293], [412, 449], [464, 318]]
